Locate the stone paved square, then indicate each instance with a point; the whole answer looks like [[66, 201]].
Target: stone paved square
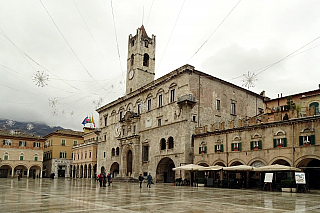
[[81, 195]]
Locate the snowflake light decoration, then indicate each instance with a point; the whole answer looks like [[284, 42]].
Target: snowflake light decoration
[[29, 126], [53, 102], [55, 112], [249, 80], [40, 78], [10, 122], [12, 132], [98, 102]]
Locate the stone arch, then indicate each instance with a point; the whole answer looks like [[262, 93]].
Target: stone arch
[[132, 56], [113, 112], [280, 133], [117, 151], [236, 138], [114, 169], [164, 172], [129, 107], [219, 163], [203, 163], [236, 162], [21, 169], [149, 96], [170, 143], [256, 135], [315, 104], [128, 162], [102, 169], [310, 165], [307, 130], [281, 160], [173, 85], [160, 91], [163, 145], [34, 171], [146, 60], [252, 161], [301, 161], [5, 170]]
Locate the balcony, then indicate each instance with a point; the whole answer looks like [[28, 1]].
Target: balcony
[[189, 99]]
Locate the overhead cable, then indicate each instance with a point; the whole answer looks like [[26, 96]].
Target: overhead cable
[[214, 30]]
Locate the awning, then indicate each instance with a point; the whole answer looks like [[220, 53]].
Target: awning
[[276, 167], [238, 168], [211, 168], [189, 167]]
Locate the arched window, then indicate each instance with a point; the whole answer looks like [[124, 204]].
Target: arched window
[[132, 42], [117, 151], [171, 145], [146, 43], [316, 107], [163, 144], [113, 152], [146, 60], [132, 60]]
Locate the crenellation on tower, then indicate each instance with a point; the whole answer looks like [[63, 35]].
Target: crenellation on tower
[[141, 60]]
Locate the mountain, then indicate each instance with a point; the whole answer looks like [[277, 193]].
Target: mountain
[[28, 127]]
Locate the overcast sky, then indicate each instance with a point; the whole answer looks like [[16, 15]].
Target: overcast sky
[[75, 43]]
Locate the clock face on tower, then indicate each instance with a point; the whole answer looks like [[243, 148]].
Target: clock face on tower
[[131, 73]]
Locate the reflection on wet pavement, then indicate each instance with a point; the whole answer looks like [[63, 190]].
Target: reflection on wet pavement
[[78, 195]]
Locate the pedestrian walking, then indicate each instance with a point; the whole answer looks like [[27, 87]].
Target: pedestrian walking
[[140, 180], [101, 179], [104, 179], [149, 178], [109, 179]]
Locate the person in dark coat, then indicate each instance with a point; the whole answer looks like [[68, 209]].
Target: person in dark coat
[[104, 179], [109, 179], [149, 178], [140, 180], [101, 179]]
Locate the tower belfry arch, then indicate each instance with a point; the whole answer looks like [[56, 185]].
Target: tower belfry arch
[[140, 60]]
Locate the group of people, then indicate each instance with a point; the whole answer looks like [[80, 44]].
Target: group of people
[[149, 179], [103, 179]]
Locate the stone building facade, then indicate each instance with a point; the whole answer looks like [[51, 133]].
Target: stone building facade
[[20, 154], [294, 142], [84, 161], [151, 127], [297, 105], [58, 152]]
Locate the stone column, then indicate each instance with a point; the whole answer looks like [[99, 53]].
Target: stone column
[[28, 173], [12, 172], [67, 172], [40, 175], [92, 171]]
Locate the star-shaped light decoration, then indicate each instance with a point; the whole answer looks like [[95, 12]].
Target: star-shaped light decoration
[[55, 112], [29, 126], [53, 102], [40, 78], [12, 132], [249, 80], [10, 122], [97, 103]]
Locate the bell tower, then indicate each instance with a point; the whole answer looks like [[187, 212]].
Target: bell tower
[[141, 60]]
